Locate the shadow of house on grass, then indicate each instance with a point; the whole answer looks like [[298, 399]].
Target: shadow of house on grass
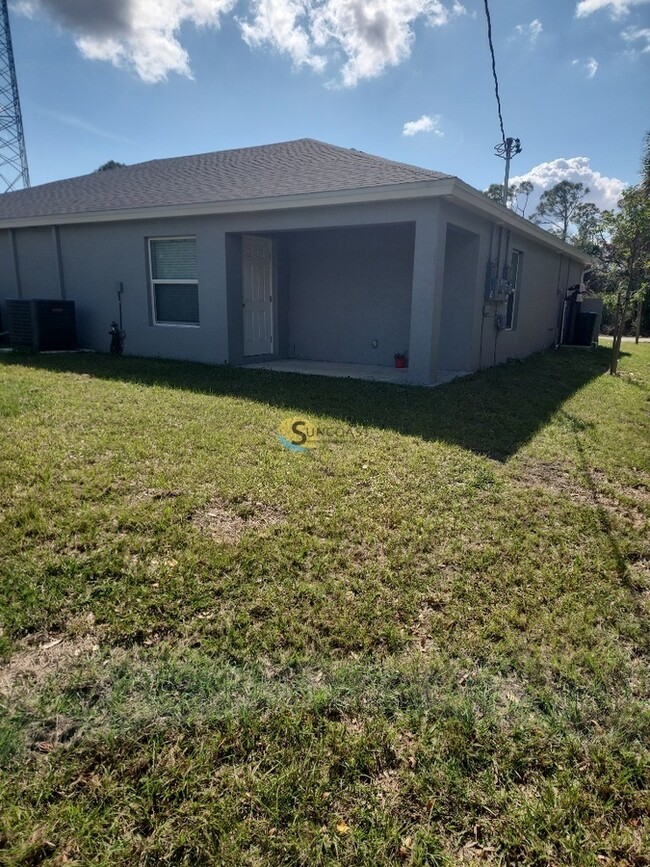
[[493, 412]]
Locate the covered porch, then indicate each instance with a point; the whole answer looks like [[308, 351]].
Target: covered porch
[[341, 301]]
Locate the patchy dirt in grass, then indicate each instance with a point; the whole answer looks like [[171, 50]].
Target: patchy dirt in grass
[[424, 629], [509, 691], [474, 853], [641, 567], [43, 736], [552, 476], [594, 488], [150, 495], [41, 656], [226, 522], [388, 785]]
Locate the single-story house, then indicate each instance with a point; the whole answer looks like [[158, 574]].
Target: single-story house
[[295, 251]]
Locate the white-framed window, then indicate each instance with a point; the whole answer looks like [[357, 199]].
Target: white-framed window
[[514, 277], [174, 281]]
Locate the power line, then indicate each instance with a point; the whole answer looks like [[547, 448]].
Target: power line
[[494, 69], [507, 147]]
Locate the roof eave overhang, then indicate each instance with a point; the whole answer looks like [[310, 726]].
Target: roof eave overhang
[[452, 188], [502, 216], [388, 192]]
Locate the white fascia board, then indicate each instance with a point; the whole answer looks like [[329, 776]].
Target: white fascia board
[[392, 192]]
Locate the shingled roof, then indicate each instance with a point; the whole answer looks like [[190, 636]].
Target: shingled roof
[[285, 169]]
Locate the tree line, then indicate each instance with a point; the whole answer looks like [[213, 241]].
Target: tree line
[[618, 241]]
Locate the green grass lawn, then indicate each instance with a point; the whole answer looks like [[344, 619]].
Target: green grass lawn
[[422, 642]]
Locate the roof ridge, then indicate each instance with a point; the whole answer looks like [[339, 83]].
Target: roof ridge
[[305, 166], [367, 155], [224, 152], [401, 164], [355, 152]]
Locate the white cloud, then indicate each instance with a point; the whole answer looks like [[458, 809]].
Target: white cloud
[[363, 37], [589, 66], [137, 33], [373, 34], [276, 22], [529, 32], [605, 192], [638, 34], [616, 8], [423, 124]]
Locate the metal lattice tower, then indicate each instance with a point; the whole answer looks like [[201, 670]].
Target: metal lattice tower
[[13, 157]]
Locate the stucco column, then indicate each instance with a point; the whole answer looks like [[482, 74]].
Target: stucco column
[[213, 295], [18, 288], [426, 297]]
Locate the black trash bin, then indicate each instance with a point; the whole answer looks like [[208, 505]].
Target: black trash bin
[[584, 334]]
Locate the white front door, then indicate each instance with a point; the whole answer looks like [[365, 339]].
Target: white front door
[[257, 291]]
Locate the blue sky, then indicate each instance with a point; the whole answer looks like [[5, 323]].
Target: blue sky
[[133, 80]]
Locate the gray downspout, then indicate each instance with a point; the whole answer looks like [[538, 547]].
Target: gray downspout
[[560, 317], [486, 289], [56, 242]]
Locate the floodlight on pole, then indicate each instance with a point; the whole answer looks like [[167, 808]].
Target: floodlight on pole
[[507, 149]]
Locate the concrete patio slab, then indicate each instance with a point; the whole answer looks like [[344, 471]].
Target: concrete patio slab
[[373, 372]]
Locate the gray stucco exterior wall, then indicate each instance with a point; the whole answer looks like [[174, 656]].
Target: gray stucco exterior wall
[[9, 279], [95, 258], [348, 288], [426, 302], [40, 270], [545, 276], [459, 293], [409, 274]]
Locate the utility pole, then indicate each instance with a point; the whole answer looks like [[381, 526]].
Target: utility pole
[[507, 149], [13, 157]]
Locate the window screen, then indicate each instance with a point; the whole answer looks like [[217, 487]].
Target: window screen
[[173, 259], [174, 281], [176, 303]]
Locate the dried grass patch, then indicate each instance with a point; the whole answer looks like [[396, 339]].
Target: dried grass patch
[[41, 656], [151, 495], [388, 785], [553, 476], [225, 521], [595, 489]]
